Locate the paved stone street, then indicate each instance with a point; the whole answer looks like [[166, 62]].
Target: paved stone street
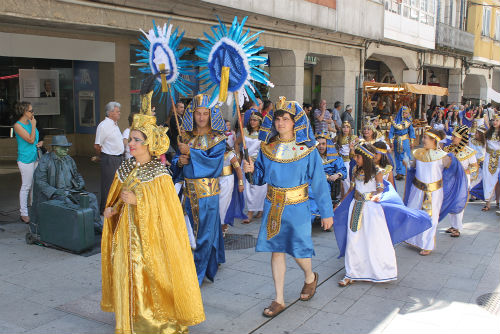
[[44, 290]]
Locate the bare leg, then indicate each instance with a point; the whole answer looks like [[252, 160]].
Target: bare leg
[[306, 265], [497, 192], [250, 217], [278, 265]]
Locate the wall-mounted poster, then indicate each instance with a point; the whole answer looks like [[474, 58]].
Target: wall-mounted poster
[[86, 95], [41, 89]]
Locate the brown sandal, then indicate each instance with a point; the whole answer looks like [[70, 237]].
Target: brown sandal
[[245, 221], [455, 234], [274, 309], [486, 208], [450, 230], [309, 289], [424, 252]]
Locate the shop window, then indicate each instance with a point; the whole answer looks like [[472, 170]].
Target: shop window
[[61, 121]]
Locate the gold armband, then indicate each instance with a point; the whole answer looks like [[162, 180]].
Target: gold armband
[[240, 182], [236, 164]]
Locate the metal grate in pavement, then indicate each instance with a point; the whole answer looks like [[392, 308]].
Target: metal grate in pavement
[[239, 241], [490, 301]]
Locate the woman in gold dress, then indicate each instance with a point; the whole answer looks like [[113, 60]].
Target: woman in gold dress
[[148, 275]]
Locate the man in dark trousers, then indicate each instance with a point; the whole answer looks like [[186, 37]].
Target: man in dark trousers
[[109, 145]]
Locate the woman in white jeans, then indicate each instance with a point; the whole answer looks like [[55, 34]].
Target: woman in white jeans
[[27, 154]]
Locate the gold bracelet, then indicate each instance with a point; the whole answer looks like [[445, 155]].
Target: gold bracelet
[[240, 182]]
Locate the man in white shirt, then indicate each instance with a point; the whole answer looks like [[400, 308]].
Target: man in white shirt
[[109, 144]]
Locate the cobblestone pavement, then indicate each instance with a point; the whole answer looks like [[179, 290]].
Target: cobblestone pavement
[[43, 290]]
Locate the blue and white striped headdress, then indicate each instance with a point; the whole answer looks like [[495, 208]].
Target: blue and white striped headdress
[[302, 127], [161, 47], [217, 122], [331, 150], [229, 63]]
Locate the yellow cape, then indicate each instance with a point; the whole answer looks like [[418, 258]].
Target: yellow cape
[[148, 275]]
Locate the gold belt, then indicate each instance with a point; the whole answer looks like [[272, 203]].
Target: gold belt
[[493, 161], [399, 142], [227, 170], [279, 197], [427, 188], [357, 211], [403, 137]]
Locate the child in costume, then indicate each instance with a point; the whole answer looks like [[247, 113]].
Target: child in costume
[[491, 167], [402, 134], [227, 185], [437, 184], [289, 163], [478, 144], [334, 168], [345, 142], [200, 164], [363, 233], [467, 157], [254, 194], [148, 274]]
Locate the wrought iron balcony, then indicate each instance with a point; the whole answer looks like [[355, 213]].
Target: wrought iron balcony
[[453, 38]]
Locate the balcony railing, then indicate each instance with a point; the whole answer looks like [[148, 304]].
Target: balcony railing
[[454, 38]]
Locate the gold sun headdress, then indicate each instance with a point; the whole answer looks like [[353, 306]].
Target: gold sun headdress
[[156, 136]]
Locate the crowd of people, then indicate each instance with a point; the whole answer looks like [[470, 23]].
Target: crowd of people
[[170, 197]]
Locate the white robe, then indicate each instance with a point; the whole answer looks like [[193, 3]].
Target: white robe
[[427, 172], [490, 180], [480, 152], [369, 254], [457, 219], [254, 195], [226, 185]]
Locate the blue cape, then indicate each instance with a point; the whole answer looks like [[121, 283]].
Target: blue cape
[[235, 210], [403, 223], [454, 188]]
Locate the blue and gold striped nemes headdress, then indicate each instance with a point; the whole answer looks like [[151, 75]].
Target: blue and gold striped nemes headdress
[[331, 151], [363, 150], [203, 101], [302, 128]]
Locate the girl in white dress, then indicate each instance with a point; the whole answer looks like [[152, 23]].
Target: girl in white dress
[[345, 146], [226, 184], [467, 158], [254, 195], [426, 192], [369, 253], [491, 166], [477, 143]]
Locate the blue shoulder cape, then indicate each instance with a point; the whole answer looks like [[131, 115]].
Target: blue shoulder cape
[[402, 222], [454, 188]]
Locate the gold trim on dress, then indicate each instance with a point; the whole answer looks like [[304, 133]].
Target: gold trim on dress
[[227, 170], [428, 155], [196, 190], [427, 188], [493, 160], [279, 198], [203, 142]]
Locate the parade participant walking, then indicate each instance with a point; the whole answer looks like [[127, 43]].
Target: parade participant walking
[[402, 133], [363, 233], [200, 164], [226, 183], [148, 275], [109, 145], [289, 162], [478, 144], [254, 194], [370, 135], [467, 157], [437, 184], [491, 166], [334, 168], [27, 153], [345, 146], [381, 160]]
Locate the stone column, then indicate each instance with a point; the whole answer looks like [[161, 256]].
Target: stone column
[[333, 80], [287, 73], [455, 88]]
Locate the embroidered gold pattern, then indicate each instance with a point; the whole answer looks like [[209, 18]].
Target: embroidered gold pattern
[[425, 155], [427, 188], [196, 190], [285, 152], [203, 142], [493, 161], [279, 198]]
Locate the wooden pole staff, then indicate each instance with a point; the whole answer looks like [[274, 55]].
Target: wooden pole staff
[[248, 176]]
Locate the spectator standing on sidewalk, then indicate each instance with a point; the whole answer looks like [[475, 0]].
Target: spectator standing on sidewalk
[[27, 153], [109, 144], [347, 116], [337, 122], [322, 119]]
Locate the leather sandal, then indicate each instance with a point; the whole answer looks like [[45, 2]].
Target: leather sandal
[[450, 230], [345, 282], [424, 252], [309, 289], [273, 310], [455, 234], [485, 208]]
